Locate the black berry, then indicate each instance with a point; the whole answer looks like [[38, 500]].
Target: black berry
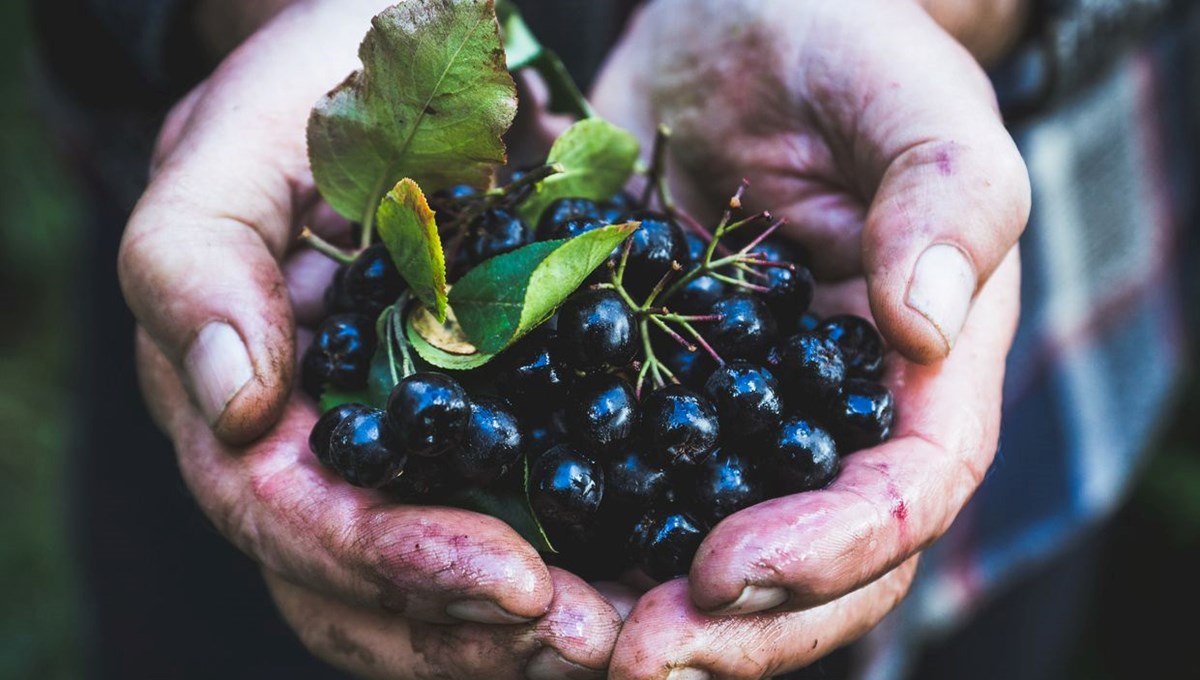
[[493, 442], [812, 370], [803, 457], [679, 427], [340, 354], [564, 209], [371, 281], [602, 411], [362, 450], [495, 232], [723, 484], [597, 329], [747, 399], [664, 543], [862, 416], [429, 413], [861, 346], [322, 432], [565, 486], [745, 329], [657, 243]]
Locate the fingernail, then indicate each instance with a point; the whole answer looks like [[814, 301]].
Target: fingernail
[[943, 284], [548, 664], [217, 366], [483, 611], [753, 599], [688, 674]]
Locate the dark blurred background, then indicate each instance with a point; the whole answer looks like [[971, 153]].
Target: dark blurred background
[[1150, 571]]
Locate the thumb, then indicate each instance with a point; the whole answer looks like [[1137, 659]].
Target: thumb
[[199, 269], [199, 262], [952, 200]]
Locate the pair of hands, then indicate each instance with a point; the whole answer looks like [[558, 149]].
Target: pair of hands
[[864, 123]]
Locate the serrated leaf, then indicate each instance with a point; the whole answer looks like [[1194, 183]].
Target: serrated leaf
[[596, 158], [431, 102], [408, 229], [440, 357], [509, 506], [507, 296], [520, 46]]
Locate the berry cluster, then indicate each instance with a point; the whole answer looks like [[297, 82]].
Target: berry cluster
[[684, 381]]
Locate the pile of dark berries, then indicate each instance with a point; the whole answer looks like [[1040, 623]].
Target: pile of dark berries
[[686, 380]]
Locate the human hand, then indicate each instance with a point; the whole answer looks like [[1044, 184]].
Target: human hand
[[209, 267], [877, 136]]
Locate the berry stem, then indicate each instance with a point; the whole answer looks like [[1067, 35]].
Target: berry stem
[[408, 366], [325, 247], [657, 166], [738, 283], [702, 342]]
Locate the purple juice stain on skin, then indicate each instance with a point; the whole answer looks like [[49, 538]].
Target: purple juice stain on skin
[[945, 165]]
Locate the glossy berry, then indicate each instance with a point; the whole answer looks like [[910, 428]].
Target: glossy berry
[[596, 329], [494, 233], [429, 413], [691, 368], [861, 346], [340, 354], [322, 431], [862, 416], [657, 243], [803, 457], [746, 329], [362, 450], [665, 541], [371, 282], [789, 290], [564, 209], [570, 228], [698, 296], [492, 444], [679, 427], [533, 371], [618, 208], [812, 371], [723, 484], [602, 411], [747, 398], [632, 483], [565, 486]]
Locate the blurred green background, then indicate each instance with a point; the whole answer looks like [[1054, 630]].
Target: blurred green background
[[1152, 562]]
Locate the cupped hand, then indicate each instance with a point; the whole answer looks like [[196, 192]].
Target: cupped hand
[[210, 269], [877, 136]]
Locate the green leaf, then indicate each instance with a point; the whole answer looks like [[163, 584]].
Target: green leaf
[[507, 296], [431, 102], [408, 229], [508, 505], [332, 398], [596, 158], [417, 328], [520, 46]]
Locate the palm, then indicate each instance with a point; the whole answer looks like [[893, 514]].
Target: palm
[[869, 132]]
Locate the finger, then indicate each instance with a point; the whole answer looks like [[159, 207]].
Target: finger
[[887, 502], [198, 261], [275, 502], [952, 195], [667, 637], [573, 640]]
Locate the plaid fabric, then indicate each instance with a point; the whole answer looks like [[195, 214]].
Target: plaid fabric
[[1100, 349]]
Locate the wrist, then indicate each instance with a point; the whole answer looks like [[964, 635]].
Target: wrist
[[989, 29]]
